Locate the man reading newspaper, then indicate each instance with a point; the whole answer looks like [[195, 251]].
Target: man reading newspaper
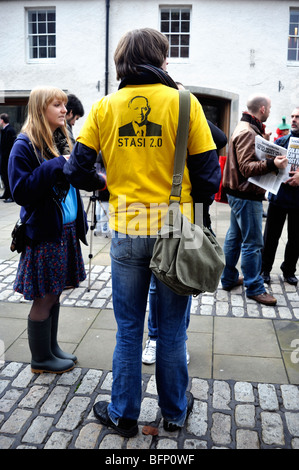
[[245, 235], [284, 204]]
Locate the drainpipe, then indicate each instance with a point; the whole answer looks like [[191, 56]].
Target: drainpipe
[[107, 46]]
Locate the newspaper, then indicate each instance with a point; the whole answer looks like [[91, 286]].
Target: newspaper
[[271, 181], [293, 153]]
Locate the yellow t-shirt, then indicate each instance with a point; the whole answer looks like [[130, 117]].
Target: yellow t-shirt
[[135, 129]]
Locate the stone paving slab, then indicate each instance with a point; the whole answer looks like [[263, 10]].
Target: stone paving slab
[[56, 412], [250, 349]]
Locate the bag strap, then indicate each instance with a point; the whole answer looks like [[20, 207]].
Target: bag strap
[[181, 145]]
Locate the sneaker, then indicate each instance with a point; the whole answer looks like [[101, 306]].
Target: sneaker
[[125, 427], [265, 299], [149, 352], [171, 427]]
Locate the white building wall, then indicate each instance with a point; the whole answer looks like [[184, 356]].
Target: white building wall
[[237, 46], [80, 49], [241, 47]]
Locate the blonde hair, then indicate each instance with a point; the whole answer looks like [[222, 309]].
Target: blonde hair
[[36, 125]]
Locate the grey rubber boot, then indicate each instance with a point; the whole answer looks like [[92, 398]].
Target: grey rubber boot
[[43, 360], [56, 350]]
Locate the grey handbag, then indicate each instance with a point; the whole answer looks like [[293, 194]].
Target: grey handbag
[[186, 257]]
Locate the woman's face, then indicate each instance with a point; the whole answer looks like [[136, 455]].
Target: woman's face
[[55, 114]]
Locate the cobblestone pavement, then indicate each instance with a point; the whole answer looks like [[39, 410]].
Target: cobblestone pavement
[[96, 292], [55, 412]]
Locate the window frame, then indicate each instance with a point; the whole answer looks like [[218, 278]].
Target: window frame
[[290, 62], [29, 35], [172, 9]]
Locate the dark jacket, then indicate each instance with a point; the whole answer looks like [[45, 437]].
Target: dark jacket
[[100, 168], [32, 184], [287, 196], [8, 135], [218, 135]]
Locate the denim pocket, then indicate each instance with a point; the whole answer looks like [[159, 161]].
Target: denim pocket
[[121, 248]]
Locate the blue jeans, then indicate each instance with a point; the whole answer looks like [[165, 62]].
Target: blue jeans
[[131, 277], [244, 237], [154, 309]]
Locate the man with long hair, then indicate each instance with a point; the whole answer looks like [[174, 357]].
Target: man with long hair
[[139, 176]]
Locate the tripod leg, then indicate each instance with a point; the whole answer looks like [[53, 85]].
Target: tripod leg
[[88, 206], [103, 209], [92, 227]]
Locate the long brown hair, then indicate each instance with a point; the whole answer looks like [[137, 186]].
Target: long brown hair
[[140, 47], [36, 125]]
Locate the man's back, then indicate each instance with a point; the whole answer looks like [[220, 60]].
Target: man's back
[[8, 136]]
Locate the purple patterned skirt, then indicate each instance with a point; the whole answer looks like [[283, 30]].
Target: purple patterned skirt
[[50, 267]]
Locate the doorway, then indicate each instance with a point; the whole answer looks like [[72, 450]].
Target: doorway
[[16, 109], [220, 107], [218, 112]]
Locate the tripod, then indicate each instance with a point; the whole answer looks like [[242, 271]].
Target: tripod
[[92, 203]]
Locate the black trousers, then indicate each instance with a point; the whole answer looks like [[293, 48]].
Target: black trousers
[[276, 218]]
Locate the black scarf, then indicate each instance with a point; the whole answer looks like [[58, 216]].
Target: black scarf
[[254, 121], [148, 74], [60, 143]]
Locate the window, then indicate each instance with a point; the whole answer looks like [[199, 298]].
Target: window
[[42, 34], [175, 24], [293, 42]]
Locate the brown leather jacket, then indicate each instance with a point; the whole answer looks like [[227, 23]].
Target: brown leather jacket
[[242, 163]]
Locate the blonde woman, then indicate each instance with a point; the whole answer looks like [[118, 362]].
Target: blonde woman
[[54, 219]]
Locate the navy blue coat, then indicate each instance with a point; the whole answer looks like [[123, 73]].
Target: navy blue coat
[[31, 183]]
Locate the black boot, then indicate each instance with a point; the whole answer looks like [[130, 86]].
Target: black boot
[[43, 360], [56, 350]]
